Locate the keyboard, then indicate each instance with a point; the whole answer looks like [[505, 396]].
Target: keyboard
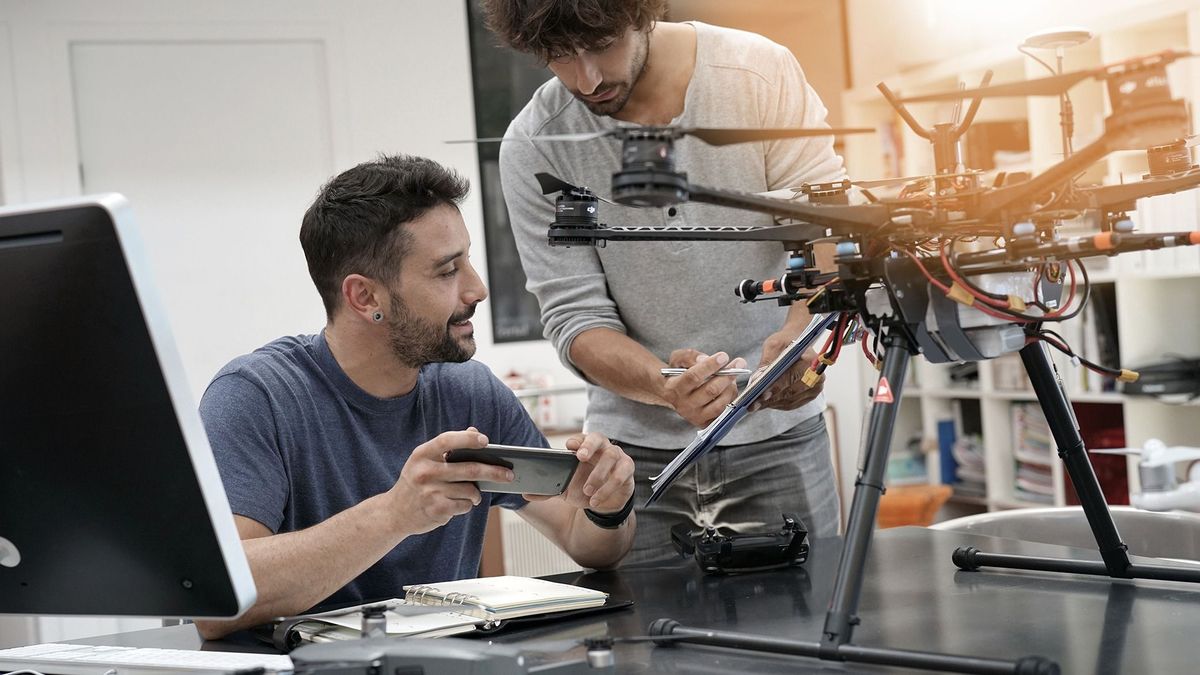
[[67, 659]]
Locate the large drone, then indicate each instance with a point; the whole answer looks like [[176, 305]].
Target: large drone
[[915, 238], [952, 269]]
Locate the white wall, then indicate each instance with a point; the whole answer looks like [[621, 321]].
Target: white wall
[[890, 36], [397, 79]]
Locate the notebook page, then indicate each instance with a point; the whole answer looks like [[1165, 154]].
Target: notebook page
[[506, 593], [399, 624]]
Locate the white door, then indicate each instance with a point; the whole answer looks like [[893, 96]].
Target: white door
[[219, 146]]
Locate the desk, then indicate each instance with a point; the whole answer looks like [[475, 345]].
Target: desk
[[913, 598]]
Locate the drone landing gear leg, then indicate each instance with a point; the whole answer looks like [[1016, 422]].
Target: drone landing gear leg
[[841, 617], [1113, 552]]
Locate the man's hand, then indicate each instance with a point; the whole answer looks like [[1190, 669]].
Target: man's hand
[[789, 391], [604, 480], [699, 395], [431, 491]]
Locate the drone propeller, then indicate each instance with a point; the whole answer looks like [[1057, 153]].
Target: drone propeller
[[551, 184], [1048, 86], [715, 136], [1155, 453], [589, 136], [710, 135]]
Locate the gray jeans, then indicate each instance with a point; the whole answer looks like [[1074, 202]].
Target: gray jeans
[[738, 488]]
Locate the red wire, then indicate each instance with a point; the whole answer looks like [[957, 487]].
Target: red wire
[[833, 335], [843, 324], [867, 350], [946, 290], [994, 302]]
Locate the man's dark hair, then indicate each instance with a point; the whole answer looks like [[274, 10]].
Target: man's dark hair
[[357, 223], [549, 29]]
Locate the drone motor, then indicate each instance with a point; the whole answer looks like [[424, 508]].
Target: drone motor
[[648, 176], [575, 209], [1169, 159]]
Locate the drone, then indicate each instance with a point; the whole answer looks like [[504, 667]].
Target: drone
[[954, 269], [906, 241]]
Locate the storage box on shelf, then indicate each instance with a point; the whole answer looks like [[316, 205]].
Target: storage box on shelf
[[1144, 305]]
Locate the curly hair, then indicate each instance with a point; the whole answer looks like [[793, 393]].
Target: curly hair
[[550, 29], [356, 225]]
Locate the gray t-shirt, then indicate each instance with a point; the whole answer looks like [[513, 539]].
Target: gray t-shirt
[[296, 442], [669, 295]]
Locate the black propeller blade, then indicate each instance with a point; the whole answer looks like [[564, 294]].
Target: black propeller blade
[[551, 183], [589, 136], [1046, 86], [716, 136], [1055, 84], [710, 135]]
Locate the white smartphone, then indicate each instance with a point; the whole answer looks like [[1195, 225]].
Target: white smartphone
[[536, 471]]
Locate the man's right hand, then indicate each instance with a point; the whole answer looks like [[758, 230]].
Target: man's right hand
[[431, 491], [699, 395]]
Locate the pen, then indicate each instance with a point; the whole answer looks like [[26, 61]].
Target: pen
[[672, 372]]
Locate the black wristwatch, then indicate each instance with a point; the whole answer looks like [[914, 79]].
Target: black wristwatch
[[611, 521]]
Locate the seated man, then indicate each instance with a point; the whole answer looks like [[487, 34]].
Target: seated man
[[331, 446]]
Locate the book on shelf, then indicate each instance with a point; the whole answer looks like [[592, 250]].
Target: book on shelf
[[906, 466], [970, 475], [449, 608], [946, 435], [1033, 454]]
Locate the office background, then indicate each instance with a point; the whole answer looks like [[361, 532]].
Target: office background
[[219, 119]]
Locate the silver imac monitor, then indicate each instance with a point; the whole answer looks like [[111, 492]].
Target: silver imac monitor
[[110, 501]]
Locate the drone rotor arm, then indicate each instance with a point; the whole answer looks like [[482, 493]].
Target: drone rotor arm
[[1108, 196], [857, 219], [994, 201], [781, 233]]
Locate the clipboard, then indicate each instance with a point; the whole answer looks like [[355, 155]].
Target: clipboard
[[708, 437]]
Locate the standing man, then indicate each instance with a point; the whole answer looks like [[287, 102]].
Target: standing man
[[331, 446], [618, 314]]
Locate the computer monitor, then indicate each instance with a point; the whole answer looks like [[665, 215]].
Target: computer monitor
[[110, 501]]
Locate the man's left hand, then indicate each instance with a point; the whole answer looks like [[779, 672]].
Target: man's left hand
[[604, 480], [789, 391]]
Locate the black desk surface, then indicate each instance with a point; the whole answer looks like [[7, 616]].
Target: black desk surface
[[913, 598]]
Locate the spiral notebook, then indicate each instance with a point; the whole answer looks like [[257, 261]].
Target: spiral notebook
[[499, 598], [446, 608]]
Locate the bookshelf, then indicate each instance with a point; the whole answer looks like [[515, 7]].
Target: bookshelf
[[1146, 301]]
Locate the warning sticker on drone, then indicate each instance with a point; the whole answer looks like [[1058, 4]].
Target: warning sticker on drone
[[883, 393]]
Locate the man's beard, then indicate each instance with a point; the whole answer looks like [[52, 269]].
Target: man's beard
[[624, 89], [416, 342]]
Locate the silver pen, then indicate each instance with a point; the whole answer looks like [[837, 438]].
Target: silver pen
[[673, 372]]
